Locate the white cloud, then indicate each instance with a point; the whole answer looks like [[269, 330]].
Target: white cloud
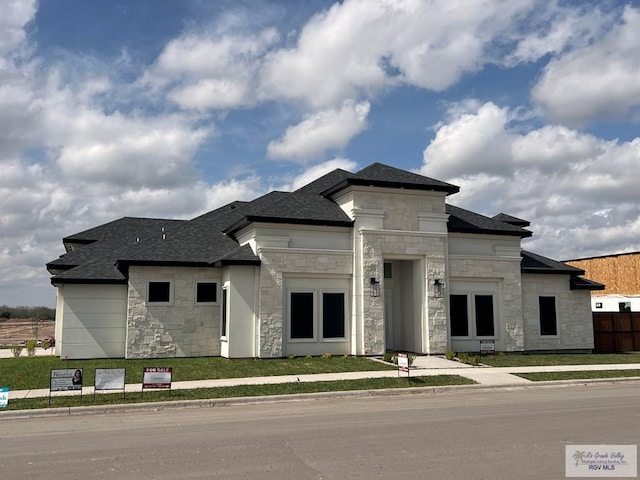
[[455, 149], [204, 72], [562, 180], [596, 81], [15, 15], [321, 131]]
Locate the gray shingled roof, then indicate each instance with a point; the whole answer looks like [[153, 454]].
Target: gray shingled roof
[[380, 175], [97, 242], [534, 263], [326, 181], [465, 221], [518, 222], [294, 208], [207, 240]]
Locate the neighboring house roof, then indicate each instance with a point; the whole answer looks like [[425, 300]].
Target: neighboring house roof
[[465, 221], [611, 255]]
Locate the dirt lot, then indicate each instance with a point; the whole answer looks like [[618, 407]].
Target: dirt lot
[[17, 330]]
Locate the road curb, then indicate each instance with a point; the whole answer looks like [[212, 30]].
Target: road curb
[[224, 402]]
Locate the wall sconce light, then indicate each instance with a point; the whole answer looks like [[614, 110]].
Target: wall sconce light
[[438, 287], [374, 286]]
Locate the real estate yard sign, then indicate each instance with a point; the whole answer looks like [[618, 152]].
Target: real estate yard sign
[[4, 396], [403, 364], [488, 346], [156, 378], [109, 379], [65, 379]]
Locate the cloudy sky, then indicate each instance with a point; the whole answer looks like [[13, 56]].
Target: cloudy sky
[[172, 108]]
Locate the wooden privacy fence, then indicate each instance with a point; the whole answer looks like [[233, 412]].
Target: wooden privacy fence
[[616, 332]]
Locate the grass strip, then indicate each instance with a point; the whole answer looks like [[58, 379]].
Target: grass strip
[[25, 373], [551, 359], [239, 391], [578, 375]]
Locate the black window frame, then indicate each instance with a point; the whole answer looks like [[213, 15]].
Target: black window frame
[[302, 315], [224, 320], [548, 316], [484, 317], [459, 314], [160, 292], [209, 284], [334, 317]]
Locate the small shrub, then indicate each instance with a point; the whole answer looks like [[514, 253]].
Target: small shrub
[[291, 356], [463, 357], [345, 356], [450, 355], [17, 350], [326, 355], [388, 357], [411, 357], [308, 357], [31, 347]]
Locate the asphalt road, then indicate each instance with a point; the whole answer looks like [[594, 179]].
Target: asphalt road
[[483, 434]]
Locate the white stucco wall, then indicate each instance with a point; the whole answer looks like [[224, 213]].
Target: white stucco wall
[[240, 282], [92, 321], [182, 329], [573, 313]]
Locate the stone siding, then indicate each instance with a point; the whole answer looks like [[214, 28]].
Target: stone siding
[[183, 329], [401, 210], [276, 264], [573, 314], [510, 331]]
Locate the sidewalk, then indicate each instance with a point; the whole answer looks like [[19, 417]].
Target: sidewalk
[[423, 366]]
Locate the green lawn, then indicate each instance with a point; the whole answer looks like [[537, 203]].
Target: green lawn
[[34, 372], [579, 375], [559, 359], [240, 391]]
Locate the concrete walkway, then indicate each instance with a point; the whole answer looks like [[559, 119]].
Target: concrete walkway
[[422, 366]]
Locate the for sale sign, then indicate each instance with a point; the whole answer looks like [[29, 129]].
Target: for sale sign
[[403, 362], [156, 377], [488, 346], [4, 396]]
